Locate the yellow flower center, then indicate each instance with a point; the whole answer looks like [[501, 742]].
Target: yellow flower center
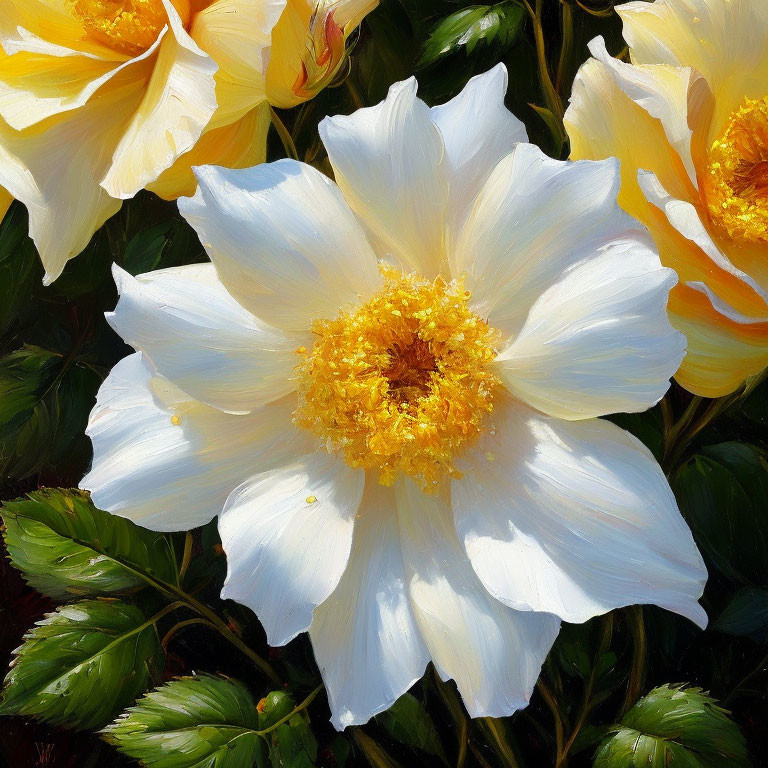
[[129, 26], [737, 182], [403, 383]]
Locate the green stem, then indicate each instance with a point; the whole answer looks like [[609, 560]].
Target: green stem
[[298, 708], [680, 435], [179, 626], [495, 730], [634, 616], [549, 700], [763, 663], [202, 610], [374, 753], [605, 641], [675, 435], [453, 705], [566, 46], [186, 557], [479, 756], [354, 94], [224, 630], [284, 134], [551, 97]]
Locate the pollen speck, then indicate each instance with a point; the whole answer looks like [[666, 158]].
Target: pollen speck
[[175, 420], [129, 26], [311, 499], [736, 184]]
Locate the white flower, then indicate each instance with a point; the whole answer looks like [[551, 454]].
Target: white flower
[[405, 456]]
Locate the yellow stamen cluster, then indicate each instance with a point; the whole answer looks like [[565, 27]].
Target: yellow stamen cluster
[[129, 26], [737, 183], [403, 383]]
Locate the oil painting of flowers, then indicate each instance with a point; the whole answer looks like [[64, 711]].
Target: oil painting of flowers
[[383, 383]]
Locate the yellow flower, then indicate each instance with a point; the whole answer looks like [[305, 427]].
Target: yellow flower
[[688, 119], [102, 98]]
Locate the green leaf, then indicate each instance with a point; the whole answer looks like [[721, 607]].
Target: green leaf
[[206, 721], [45, 399], [674, 726], [648, 427], [168, 244], [407, 721], [721, 492], [82, 664], [274, 707], [292, 745], [555, 126], [20, 267], [480, 24], [746, 615], [66, 547]]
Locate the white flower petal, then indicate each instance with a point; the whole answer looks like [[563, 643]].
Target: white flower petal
[[288, 534], [534, 219], [283, 240], [387, 161], [200, 338], [598, 341], [178, 103], [364, 635], [168, 462], [478, 131], [575, 519], [493, 652]]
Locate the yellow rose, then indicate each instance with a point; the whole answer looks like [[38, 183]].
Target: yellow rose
[[688, 119], [102, 98]]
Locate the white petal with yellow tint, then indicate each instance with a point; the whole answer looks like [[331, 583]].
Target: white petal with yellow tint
[[534, 219], [178, 104], [168, 462], [241, 144], [574, 518], [283, 240], [35, 85], [27, 24], [685, 218], [478, 131], [388, 162], [493, 652], [365, 638], [661, 91], [54, 169], [598, 341], [200, 338], [237, 34], [596, 121], [722, 351], [727, 42], [288, 534]]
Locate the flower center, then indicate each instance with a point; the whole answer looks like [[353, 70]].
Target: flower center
[[129, 26], [737, 181], [403, 383]]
